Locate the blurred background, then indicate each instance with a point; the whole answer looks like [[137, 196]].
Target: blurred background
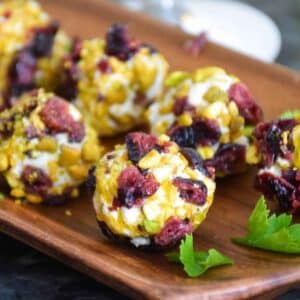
[[266, 29]]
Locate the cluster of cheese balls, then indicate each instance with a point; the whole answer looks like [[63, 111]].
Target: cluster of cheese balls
[[59, 95]]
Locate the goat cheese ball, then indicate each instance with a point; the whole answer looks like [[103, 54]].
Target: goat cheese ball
[[113, 80], [151, 192], [278, 142], [46, 149], [212, 112], [31, 50]]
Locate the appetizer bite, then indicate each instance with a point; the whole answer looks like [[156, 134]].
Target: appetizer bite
[[46, 149], [278, 143], [212, 112], [113, 80], [151, 192], [31, 50]]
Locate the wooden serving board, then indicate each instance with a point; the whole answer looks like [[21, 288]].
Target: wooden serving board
[[76, 240]]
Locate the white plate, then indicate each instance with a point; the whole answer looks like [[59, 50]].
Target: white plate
[[234, 25]]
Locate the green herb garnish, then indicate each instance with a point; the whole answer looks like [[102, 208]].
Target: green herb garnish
[[271, 232], [197, 262], [2, 197], [290, 114]]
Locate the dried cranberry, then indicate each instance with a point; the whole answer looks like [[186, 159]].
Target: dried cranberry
[[246, 104], [268, 139], [103, 66], [32, 132], [194, 159], [193, 191], [182, 105], [36, 181], [118, 42], [20, 75], [139, 144], [67, 87], [91, 180], [274, 187], [55, 114], [42, 42], [194, 47], [173, 231], [201, 132], [141, 99], [229, 159], [133, 186], [7, 14]]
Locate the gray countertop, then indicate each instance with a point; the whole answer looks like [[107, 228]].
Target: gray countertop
[[28, 274]]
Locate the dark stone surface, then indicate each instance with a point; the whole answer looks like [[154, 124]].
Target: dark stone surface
[[28, 274]]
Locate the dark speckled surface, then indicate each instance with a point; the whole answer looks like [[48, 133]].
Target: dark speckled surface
[[28, 274]]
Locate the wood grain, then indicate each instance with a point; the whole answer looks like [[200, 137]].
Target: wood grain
[[76, 240]]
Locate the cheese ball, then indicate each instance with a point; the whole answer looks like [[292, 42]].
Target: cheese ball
[[113, 80], [151, 192], [278, 142], [211, 112], [46, 149], [31, 50]]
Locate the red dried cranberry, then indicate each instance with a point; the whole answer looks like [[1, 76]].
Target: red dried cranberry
[[194, 159], [229, 159], [194, 47], [141, 99], [118, 42], [42, 42], [7, 14], [193, 191], [20, 75], [246, 104], [173, 231], [36, 181], [32, 132], [55, 114], [182, 105], [201, 132], [139, 144], [104, 66], [133, 186], [268, 139], [67, 87], [274, 187], [91, 180]]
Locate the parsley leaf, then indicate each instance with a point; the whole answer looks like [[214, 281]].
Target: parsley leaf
[[290, 114], [271, 232], [1, 197], [197, 263]]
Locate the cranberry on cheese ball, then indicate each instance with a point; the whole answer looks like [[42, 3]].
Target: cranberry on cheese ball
[[46, 149], [113, 80], [151, 192], [212, 112], [278, 143], [31, 49]]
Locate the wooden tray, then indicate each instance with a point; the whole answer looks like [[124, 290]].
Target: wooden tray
[[76, 240]]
